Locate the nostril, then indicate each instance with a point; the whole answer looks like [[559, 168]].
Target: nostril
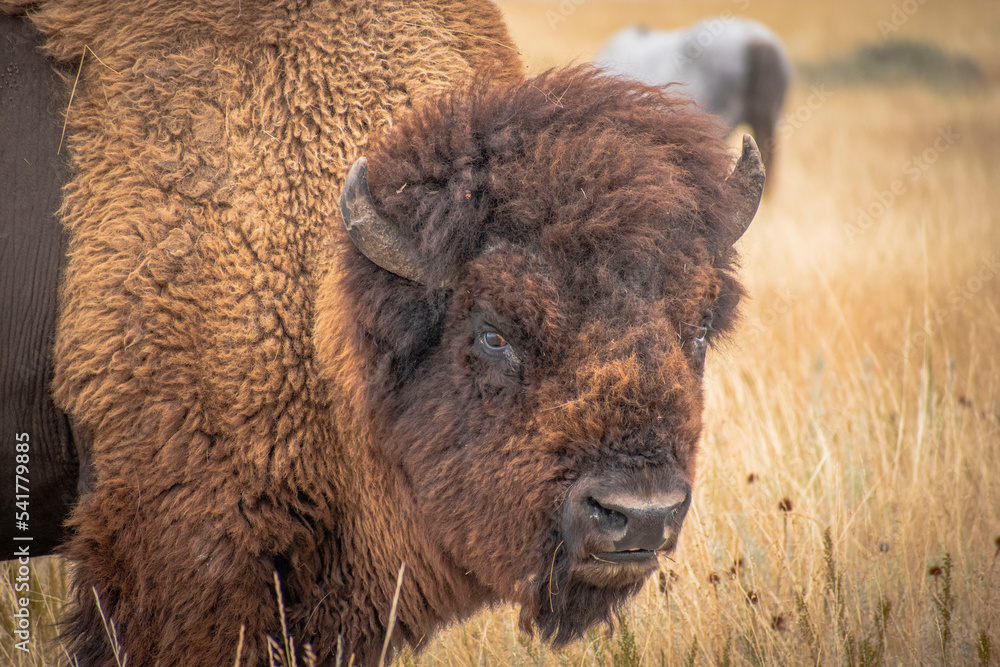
[[608, 520]]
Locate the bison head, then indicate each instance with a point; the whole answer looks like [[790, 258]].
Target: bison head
[[536, 275]]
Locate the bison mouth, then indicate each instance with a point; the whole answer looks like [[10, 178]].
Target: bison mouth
[[612, 569], [627, 557]]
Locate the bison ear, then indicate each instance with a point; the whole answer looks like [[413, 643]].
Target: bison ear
[[748, 181], [376, 237]]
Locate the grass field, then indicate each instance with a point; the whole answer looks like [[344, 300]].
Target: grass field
[[847, 506]]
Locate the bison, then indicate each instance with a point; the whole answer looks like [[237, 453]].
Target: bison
[[345, 291]]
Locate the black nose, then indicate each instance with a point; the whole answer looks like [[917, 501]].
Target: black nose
[[634, 524], [631, 523], [624, 518]]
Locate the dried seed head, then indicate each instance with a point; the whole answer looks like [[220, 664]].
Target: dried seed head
[[883, 547], [785, 505], [752, 597], [778, 622], [935, 571], [751, 478], [665, 579], [713, 579]]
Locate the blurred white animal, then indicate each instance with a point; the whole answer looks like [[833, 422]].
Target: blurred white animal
[[735, 68]]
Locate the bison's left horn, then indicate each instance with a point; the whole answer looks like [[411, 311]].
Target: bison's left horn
[[376, 238], [748, 180]]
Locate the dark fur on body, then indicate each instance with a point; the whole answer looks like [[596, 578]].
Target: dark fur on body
[[32, 174], [262, 398]]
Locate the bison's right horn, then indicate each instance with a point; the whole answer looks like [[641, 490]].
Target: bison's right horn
[[376, 238], [748, 179]]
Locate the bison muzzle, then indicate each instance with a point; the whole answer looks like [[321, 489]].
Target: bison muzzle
[[614, 528]]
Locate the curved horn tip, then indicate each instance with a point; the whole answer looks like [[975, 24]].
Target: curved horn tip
[[377, 238], [355, 189], [751, 153], [748, 179]]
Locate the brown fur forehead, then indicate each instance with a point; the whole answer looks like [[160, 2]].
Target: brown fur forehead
[[514, 282], [603, 164], [542, 295]]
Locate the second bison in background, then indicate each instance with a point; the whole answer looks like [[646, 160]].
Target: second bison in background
[[735, 68], [494, 376]]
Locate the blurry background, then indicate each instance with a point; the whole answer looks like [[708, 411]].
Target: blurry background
[[847, 506]]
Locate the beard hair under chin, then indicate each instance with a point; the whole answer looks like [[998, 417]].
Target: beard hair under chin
[[563, 608]]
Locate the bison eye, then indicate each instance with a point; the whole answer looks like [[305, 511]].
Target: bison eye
[[494, 341], [496, 347]]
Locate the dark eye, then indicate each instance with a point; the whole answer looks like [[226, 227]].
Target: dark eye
[[496, 347], [494, 341]]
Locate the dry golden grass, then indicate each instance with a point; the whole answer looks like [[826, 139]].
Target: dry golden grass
[[863, 391]]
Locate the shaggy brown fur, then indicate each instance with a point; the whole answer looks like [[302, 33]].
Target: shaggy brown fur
[[260, 397]]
